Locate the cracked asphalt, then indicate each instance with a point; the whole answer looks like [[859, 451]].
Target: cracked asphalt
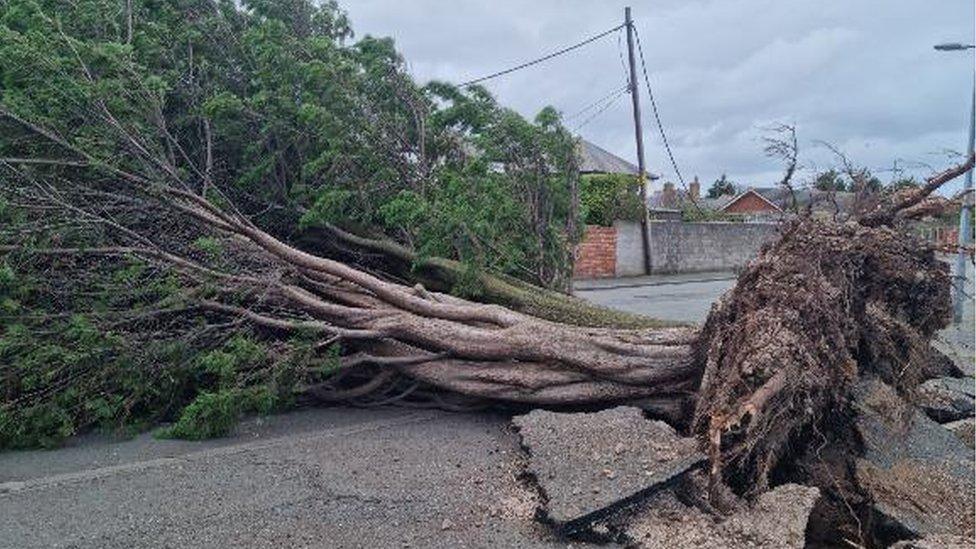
[[317, 478]]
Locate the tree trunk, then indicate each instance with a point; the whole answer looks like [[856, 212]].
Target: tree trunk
[[440, 274]]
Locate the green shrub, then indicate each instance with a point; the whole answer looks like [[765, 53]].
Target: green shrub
[[64, 375], [608, 197], [213, 415]]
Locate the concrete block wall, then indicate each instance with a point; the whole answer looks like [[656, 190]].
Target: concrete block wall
[[596, 255], [679, 247]]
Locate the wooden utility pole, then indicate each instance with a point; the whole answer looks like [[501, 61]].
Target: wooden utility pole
[[639, 134]]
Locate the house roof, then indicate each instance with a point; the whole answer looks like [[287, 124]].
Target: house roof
[[656, 199], [754, 192], [716, 203], [815, 199], [595, 159]]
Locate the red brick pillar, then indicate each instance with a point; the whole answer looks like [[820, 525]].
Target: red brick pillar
[[596, 254]]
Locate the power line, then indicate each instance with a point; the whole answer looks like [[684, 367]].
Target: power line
[[608, 96], [657, 117], [541, 59], [620, 54], [610, 103]]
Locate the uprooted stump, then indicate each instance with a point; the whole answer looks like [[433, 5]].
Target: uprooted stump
[[819, 308], [820, 311]]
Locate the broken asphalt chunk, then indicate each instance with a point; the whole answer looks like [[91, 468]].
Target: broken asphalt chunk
[[589, 465], [965, 430], [947, 399], [776, 520], [918, 475]]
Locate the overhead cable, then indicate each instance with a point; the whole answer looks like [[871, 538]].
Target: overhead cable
[[541, 59], [609, 96], [603, 109], [657, 117]]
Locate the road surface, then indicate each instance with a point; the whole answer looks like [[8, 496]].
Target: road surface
[[316, 478], [685, 298]]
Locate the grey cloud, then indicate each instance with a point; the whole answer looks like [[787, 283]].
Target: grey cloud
[[861, 74]]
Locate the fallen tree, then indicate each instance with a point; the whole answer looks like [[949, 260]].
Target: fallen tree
[[821, 305], [825, 304], [441, 275]]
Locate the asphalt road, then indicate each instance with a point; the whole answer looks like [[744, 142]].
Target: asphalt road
[[317, 478], [685, 298]]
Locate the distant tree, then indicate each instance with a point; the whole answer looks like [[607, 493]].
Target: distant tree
[[874, 184], [720, 187], [831, 180], [903, 183]]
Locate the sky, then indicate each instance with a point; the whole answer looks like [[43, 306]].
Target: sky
[[859, 74]]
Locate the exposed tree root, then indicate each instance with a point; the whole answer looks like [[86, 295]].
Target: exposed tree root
[[823, 305]]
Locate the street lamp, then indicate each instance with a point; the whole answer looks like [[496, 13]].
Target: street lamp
[[964, 221]]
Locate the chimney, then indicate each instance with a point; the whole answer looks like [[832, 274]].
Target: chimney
[[694, 189], [669, 198]]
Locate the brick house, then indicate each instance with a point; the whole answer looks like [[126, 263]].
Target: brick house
[[768, 202], [751, 202]]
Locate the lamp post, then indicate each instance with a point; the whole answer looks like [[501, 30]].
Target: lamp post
[[964, 213]]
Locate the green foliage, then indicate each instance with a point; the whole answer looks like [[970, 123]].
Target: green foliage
[[722, 186], [64, 374], [691, 213], [863, 182], [209, 245], [297, 117], [210, 415], [304, 119], [608, 197], [39, 362], [903, 183], [831, 180], [215, 414], [868, 183]]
